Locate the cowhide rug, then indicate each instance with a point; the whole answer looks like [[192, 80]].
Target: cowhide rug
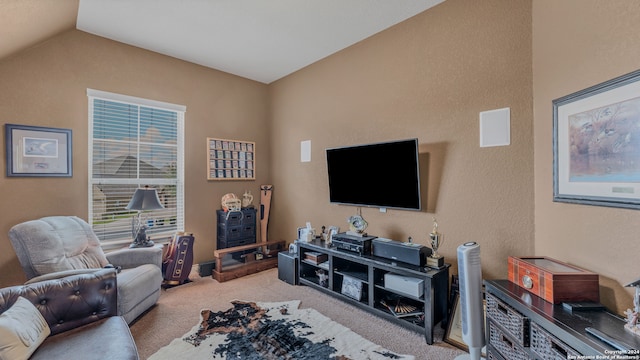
[[256, 331]]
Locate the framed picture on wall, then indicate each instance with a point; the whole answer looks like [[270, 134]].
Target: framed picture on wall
[[230, 159], [596, 144], [38, 151]]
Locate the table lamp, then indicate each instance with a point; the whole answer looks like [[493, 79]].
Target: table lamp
[[143, 199]]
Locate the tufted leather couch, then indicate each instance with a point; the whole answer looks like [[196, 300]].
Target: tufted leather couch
[[81, 312]]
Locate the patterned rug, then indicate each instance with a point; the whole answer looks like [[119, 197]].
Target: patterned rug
[[257, 331]]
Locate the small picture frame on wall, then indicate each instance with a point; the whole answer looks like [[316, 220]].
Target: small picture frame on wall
[[596, 144], [36, 151]]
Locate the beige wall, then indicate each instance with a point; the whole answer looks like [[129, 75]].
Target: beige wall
[[46, 86], [428, 77], [577, 44]]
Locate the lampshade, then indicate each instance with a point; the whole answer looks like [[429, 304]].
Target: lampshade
[[145, 199]]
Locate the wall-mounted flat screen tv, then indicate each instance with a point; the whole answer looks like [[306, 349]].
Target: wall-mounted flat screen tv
[[384, 175]]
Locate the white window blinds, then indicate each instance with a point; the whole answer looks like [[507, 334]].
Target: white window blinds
[[134, 143]]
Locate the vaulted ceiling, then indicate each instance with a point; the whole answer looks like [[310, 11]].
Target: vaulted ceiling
[[262, 40]]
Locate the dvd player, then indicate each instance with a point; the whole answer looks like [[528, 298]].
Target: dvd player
[[353, 243]]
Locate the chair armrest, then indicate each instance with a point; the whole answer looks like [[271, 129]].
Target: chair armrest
[[131, 258], [69, 302]]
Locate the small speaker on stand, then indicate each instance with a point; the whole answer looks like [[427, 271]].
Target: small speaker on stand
[[472, 310]]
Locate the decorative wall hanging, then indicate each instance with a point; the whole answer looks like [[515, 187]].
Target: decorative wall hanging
[[38, 151], [596, 144], [230, 159]]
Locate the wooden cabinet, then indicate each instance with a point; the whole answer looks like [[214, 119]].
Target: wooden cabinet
[[361, 281], [521, 325]]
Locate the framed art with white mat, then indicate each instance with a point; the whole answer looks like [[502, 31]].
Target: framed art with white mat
[[596, 144]]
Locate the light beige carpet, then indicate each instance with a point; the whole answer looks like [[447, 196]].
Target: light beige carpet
[[271, 331], [177, 312]]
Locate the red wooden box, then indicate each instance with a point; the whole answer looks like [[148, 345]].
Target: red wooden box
[[553, 280]]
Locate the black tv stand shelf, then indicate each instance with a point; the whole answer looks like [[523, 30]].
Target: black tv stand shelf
[[370, 293]]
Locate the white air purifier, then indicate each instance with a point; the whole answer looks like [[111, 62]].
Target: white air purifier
[[472, 310]]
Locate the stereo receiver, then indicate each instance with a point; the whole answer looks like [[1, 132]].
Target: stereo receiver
[[358, 244]]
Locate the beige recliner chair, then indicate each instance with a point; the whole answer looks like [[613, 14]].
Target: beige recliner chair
[[58, 246]]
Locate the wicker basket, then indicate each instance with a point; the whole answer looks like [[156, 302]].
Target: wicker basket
[[507, 348], [493, 355], [548, 347], [515, 324]]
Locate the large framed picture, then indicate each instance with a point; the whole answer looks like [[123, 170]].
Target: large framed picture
[[38, 151], [453, 334], [596, 144]]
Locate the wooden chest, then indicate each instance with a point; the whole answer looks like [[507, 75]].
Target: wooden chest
[[553, 280], [316, 257]]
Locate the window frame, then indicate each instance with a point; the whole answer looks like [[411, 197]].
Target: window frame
[[180, 111]]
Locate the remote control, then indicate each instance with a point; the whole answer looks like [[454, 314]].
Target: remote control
[[619, 345], [583, 306]]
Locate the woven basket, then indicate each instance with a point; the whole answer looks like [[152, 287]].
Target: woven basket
[[514, 323], [507, 348], [492, 355], [548, 347]]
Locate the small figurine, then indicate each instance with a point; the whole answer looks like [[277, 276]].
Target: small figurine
[[632, 324], [247, 199]]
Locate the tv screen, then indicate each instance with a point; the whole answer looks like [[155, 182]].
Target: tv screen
[[384, 175]]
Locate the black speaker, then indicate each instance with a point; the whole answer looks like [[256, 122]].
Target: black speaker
[[410, 253], [288, 268]]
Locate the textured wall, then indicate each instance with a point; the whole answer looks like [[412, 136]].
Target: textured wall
[[428, 77], [577, 44], [46, 86]]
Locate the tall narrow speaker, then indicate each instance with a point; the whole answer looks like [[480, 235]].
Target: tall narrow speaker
[[472, 311]]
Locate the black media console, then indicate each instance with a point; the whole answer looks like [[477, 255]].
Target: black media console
[[365, 281]]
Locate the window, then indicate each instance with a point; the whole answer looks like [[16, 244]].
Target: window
[[134, 143]]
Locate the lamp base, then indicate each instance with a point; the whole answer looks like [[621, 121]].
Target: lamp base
[[141, 239], [139, 244]]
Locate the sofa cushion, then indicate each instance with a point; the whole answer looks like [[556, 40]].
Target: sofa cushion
[[105, 339], [22, 330]]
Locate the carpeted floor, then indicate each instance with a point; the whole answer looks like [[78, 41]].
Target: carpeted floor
[[179, 309]]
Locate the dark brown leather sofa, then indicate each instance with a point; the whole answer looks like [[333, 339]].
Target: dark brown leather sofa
[[81, 311]]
